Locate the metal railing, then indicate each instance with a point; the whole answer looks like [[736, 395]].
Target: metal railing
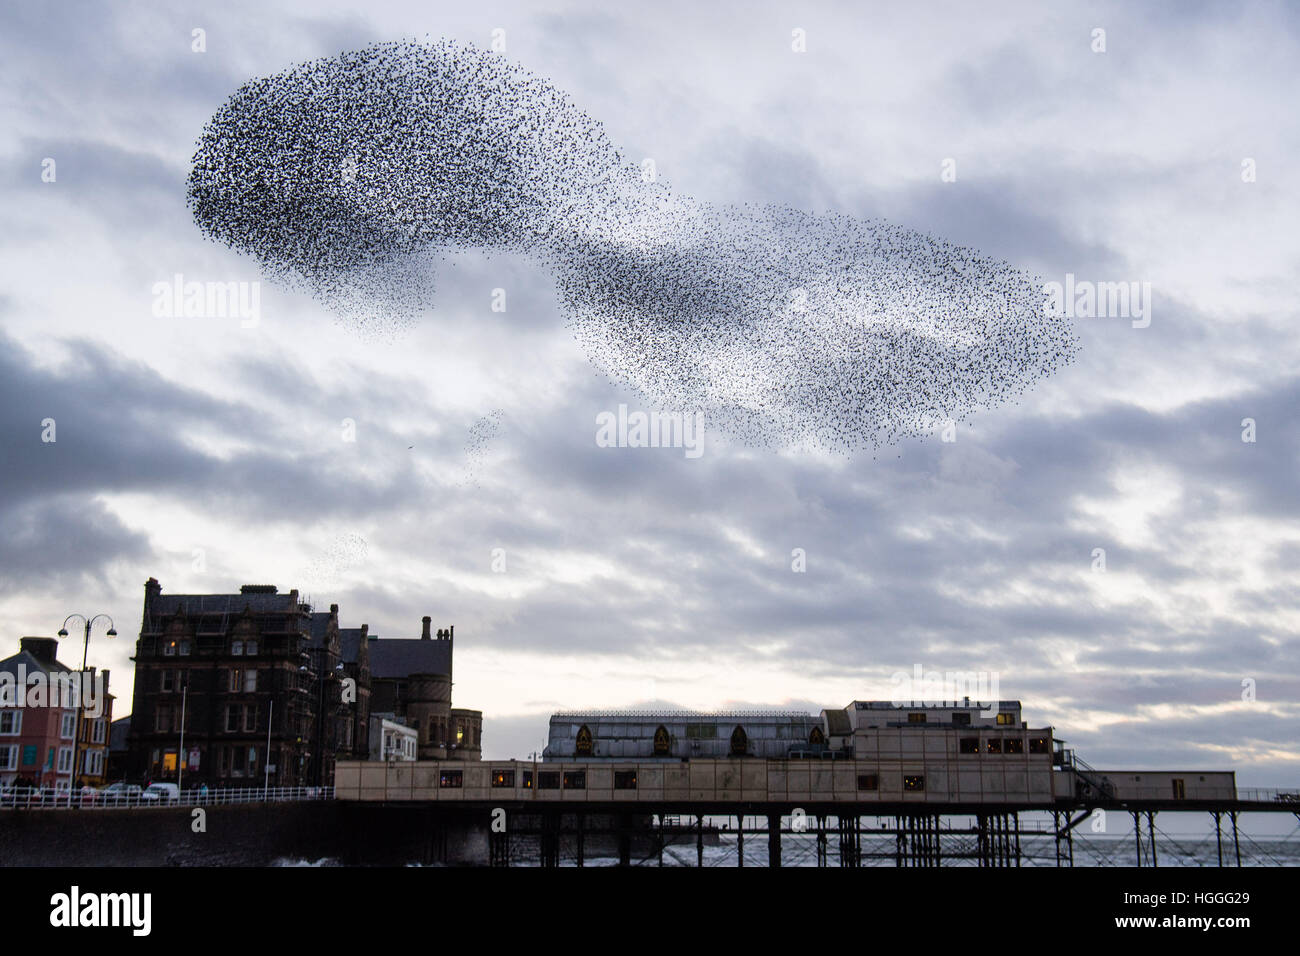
[[190, 797]]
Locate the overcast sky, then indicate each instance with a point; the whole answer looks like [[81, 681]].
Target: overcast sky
[[210, 455]]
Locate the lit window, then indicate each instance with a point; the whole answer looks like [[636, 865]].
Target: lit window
[[1039, 745], [969, 745], [1006, 718], [914, 783], [527, 779], [575, 780], [624, 779], [451, 778], [503, 778], [994, 745], [1015, 745], [169, 648], [915, 718]]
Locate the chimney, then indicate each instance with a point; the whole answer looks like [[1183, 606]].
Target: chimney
[[151, 590], [424, 634], [334, 610], [44, 649], [365, 631]]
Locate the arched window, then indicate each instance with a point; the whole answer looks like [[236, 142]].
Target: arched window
[[816, 738], [662, 741], [583, 746], [739, 742]]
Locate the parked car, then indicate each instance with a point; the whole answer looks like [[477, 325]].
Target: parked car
[[119, 794], [161, 793]]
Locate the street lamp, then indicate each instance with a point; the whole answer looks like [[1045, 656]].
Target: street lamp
[[76, 720]]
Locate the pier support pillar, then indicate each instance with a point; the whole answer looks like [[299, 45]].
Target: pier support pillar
[[1236, 846], [774, 839], [699, 841], [1151, 832], [1218, 835], [624, 840]]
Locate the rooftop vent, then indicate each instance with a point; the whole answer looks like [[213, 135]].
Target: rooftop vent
[[257, 589]]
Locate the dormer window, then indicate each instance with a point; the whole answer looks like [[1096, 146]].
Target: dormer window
[[237, 648], [250, 648]]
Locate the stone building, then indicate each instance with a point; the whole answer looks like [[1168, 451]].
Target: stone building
[[412, 679], [270, 692], [274, 692]]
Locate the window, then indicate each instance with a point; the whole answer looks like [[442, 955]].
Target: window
[[993, 745], [250, 648], [162, 719], [250, 681], [527, 779], [166, 681], [1180, 790], [575, 780], [961, 720], [232, 718], [68, 725], [503, 778], [913, 783], [701, 731], [65, 759], [868, 781], [169, 648], [548, 780], [185, 646], [11, 722], [624, 779], [1006, 719], [236, 648], [9, 757], [250, 717], [661, 741], [969, 745], [1014, 745], [915, 718], [1039, 745], [97, 731], [451, 778], [252, 760], [739, 742], [816, 738], [236, 682], [29, 755]]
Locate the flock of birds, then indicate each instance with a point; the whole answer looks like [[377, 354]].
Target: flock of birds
[[351, 176]]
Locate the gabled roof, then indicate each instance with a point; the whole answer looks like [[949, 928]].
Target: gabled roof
[[30, 664]]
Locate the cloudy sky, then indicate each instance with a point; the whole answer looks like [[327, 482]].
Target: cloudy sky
[[211, 455]]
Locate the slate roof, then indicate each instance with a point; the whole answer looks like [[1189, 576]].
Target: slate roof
[[32, 664], [401, 657]]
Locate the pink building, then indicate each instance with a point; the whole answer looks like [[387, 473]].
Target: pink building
[[36, 733]]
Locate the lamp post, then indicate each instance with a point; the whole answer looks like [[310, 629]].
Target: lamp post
[[85, 651]]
